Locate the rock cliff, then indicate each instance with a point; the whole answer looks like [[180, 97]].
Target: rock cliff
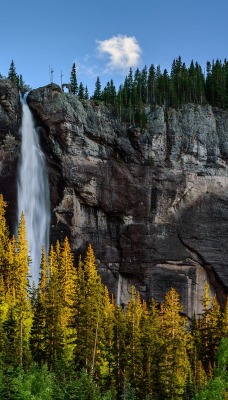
[[10, 119], [152, 202]]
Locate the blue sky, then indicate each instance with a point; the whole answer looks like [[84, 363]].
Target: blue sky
[[104, 38]]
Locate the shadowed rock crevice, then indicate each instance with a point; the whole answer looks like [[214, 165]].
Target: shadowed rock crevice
[[215, 281]]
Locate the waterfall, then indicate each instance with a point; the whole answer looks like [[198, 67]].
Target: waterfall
[[33, 191]]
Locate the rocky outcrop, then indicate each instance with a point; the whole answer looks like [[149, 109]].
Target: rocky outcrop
[[153, 202], [10, 114]]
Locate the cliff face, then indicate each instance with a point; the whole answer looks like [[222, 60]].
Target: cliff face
[[153, 202], [10, 114]]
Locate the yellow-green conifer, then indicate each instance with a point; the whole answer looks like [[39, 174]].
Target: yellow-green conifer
[[133, 344], [88, 314], [174, 366]]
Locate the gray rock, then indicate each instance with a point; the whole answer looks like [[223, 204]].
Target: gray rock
[[10, 117], [152, 202]]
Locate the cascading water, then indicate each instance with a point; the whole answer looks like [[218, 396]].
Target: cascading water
[[33, 191]]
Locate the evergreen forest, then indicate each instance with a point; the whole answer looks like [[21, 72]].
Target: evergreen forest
[[156, 87], [151, 87], [68, 339]]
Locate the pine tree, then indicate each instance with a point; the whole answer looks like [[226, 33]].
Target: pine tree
[[151, 344], [112, 92], [109, 93], [106, 94], [128, 92], [218, 387], [209, 89], [144, 85], [129, 83], [192, 83], [73, 80], [53, 341], [20, 312], [86, 95], [12, 75], [39, 327], [200, 84], [9, 275], [119, 351], [137, 87], [23, 87], [81, 91], [133, 346], [88, 314], [4, 307], [174, 366], [216, 77], [53, 333], [97, 92], [21, 262], [4, 242], [8, 389], [210, 331], [152, 85], [177, 82], [105, 346], [119, 103], [67, 292]]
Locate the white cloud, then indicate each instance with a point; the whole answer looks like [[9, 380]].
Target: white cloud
[[82, 68], [123, 52]]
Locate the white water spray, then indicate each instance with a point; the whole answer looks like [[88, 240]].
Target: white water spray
[[33, 192]]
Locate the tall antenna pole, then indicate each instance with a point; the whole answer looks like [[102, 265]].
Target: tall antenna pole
[[61, 76], [52, 72]]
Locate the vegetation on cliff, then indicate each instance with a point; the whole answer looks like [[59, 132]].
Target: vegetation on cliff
[[67, 339], [156, 87], [17, 79], [152, 86]]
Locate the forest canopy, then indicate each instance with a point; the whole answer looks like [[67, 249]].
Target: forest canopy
[[68, 339]]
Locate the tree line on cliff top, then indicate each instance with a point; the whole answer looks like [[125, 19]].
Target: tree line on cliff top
[[156, 87], [68, 339], [152, 86]]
